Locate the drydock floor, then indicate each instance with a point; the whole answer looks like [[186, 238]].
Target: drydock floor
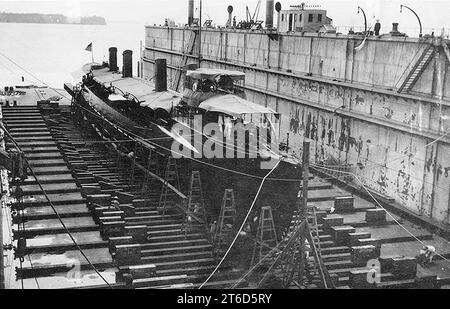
[[75, 170]]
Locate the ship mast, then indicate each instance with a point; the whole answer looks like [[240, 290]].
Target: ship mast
[[200, 36]]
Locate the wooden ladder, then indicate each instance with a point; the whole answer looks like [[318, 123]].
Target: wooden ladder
[[196, 211], [152, 166], [418, 69], [266, 234], [227, 220], [172, 177]]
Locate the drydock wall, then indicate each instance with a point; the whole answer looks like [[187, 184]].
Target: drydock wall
[[345, 101]]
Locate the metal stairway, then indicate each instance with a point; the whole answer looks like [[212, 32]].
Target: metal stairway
[[417, 70]]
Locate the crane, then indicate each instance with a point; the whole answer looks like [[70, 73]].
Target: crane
[[251, 21], [253, 18]]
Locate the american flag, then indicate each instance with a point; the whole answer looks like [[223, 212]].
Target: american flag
[[89, 48]]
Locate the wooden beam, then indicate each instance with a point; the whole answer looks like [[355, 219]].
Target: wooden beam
[[303, 208], [446, 50]]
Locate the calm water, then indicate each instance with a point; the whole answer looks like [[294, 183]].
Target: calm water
[[54, 52]]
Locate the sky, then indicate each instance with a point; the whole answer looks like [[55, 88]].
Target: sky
[[434, 13]]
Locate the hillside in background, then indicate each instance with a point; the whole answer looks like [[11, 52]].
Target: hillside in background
[[49, 19]]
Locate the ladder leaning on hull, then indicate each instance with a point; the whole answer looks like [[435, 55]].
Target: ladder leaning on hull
[[225, 225]]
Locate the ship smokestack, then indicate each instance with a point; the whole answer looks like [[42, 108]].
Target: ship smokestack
[[113, 59], [191, 13], [127, 63], [160, 75], [395, 27], [269, 13]]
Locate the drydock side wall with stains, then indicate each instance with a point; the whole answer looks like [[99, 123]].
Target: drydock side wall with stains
[[345, 101]]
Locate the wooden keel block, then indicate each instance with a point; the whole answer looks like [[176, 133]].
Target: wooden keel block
[[355, 237], [112, 229], [429, 282], [99, 211], [128, 254], [86, 181], [386, 263], [118, 241], [110, 219], [99, 199], [137, 272], [81, 165], [83, 175], [376, 216], [344, 204], [139, 233], [108, 213], [404, 267], [128, 210], [361, 255], [107, 186], [371, 241], [359, 279], [125, 198], [340, 234], [90, 190], [333, 220]]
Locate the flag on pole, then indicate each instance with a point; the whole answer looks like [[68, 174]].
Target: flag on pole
[[89, 48]]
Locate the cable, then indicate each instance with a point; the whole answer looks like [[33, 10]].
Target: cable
[[54, 209], [22, 68], [438, 139], [242, 226], [381, 165]]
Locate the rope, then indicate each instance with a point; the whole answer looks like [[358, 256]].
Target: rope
[[22, 68]]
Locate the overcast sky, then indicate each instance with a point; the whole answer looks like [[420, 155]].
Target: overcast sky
[[434, 13]]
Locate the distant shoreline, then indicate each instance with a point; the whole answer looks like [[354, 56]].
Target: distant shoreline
[[53, 19], [34, 23]]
